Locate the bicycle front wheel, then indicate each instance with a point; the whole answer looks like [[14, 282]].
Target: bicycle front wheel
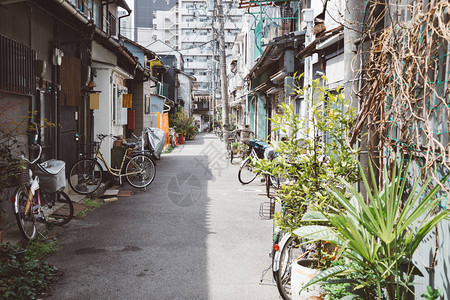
[[25, 220], [141, 171], [59, 208], [246, 174], [86, 176]]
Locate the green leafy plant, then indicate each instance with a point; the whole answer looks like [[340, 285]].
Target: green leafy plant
[[431, 293], [313, 151], [183, 123], [381, 233], [23, 277]]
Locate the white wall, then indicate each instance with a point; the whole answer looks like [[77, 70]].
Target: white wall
[[103, 115], [334, 71]]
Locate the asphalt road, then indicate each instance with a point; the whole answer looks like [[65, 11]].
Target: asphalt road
[[195, 233]]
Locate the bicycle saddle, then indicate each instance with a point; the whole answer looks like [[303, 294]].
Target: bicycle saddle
[[129, 145]]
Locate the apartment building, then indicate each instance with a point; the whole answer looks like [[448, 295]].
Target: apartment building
[[144, 12]]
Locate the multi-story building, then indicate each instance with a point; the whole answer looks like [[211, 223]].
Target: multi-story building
[[144, 13], [190, 28]]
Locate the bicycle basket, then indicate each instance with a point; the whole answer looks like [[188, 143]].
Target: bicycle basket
[[267, 210], [52, 175], [89, 149]]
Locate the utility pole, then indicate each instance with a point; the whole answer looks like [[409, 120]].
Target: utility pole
[[352, 31], [223, 73]]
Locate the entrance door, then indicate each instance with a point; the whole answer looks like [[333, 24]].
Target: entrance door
[[68, 145]]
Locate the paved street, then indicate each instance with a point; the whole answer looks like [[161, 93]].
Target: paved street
[[195, 233]]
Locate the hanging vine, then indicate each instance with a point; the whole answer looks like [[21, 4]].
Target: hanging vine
[[404, 98]]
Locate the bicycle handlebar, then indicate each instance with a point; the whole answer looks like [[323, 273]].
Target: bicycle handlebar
[[102, 136], [22, 156]]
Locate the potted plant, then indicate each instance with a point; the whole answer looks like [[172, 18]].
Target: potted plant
[[379, 234]]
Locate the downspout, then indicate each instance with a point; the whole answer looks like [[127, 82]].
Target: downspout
[[164, 111], [124, 16]]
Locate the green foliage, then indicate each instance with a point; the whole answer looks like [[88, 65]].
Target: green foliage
[[94, 203], [38, 249], [431, 293], [183, 123], [23, 278], [381, 233], [313, 151], [91, 205]]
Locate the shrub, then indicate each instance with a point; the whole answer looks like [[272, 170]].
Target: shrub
[[23, 278]]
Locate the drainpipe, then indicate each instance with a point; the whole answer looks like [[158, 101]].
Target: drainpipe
[[124, 16]]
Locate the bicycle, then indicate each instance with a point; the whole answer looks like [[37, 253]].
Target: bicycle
[[86, 175], [41, 196], [173, 137], [230, 146], [236, 147], [256, 150]]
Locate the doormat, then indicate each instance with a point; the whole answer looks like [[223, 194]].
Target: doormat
[[124, 193]]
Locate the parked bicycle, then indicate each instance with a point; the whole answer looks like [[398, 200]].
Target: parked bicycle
[[256, 150], [86, 175], [40, 197], [237, 144], [173, 137]]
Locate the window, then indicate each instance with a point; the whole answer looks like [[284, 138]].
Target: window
[[97, 16], [111, 26]]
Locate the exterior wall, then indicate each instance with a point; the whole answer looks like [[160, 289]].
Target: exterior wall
[[185, 91], [252, 116], [21, 108], [103, 115], [141, 91], [156, 104], [261, 132], [334, 74]]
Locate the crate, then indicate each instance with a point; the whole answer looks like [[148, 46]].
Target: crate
[[52, 175]]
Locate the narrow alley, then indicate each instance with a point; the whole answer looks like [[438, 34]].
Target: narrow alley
[[195, 233]]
